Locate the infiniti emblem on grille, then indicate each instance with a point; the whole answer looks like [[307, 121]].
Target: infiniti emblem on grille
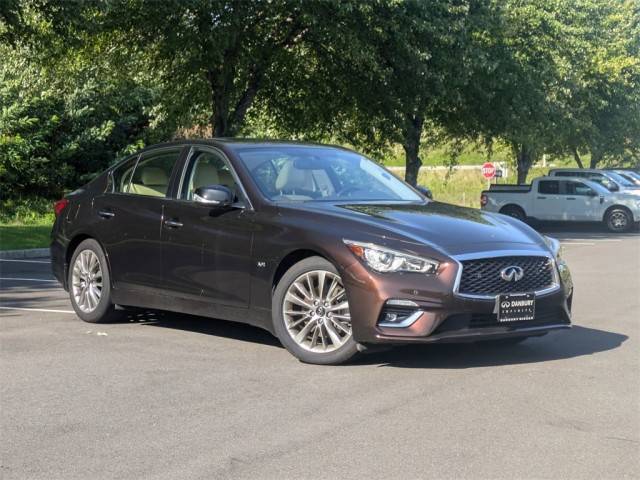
[[512, 274]]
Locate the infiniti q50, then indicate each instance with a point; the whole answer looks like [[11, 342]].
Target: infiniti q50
[[317, 244]]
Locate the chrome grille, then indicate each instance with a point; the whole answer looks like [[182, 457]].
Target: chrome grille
[[482, 276]]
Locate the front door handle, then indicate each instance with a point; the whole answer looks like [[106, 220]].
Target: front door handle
[[571, 198], [172, 224], [107, 214], [542, 198]]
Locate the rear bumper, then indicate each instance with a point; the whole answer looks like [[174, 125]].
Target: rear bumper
[[445, 317], [58, 261]]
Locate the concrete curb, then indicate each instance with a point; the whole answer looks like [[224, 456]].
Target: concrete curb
[[23, 254]]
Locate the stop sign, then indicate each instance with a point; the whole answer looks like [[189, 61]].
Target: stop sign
[[488, 170]]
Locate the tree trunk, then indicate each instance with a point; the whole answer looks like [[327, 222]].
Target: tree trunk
[[577, 158], [524, 161], [411, 147], [596, 157], [219, 104]]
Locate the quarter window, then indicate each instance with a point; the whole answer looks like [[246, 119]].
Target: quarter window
[[122, 175]]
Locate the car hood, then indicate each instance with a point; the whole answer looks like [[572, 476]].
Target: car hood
[[448, 228]]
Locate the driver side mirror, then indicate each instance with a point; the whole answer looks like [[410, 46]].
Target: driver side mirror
[[215, 196], [425, 191], [591, 193]]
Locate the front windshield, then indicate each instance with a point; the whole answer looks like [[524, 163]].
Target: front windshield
[[631, 176], [307, 173], [620, 180]]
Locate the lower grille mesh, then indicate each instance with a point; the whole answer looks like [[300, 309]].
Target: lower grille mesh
[[482, 276]]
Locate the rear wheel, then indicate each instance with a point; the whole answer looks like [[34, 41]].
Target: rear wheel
[[618, 220], [90, 283], [311, 313], [515, 212]]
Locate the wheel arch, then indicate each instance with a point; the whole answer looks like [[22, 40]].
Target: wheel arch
[[290, 260], [514, 206], [73, 245], [617, 206]]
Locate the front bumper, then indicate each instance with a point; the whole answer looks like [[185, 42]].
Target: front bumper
[[446, 316]]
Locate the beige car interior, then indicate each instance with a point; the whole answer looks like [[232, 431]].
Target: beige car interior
[[205, 174], [292, 180], [153, 182]]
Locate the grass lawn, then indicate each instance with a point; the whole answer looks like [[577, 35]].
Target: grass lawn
[[18, 237]]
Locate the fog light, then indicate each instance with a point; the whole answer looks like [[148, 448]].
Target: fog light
[[399, 314], [390, 317]]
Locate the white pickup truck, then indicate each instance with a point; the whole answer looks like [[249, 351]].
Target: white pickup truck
[[564, 199]]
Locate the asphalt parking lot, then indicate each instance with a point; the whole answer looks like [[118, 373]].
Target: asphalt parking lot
[[163, 396]]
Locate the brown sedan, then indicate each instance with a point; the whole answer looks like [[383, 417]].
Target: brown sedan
[[317, 244]]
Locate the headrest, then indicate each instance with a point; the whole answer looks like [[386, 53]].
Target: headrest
[[205, 175], [154, 176], [291, 178]]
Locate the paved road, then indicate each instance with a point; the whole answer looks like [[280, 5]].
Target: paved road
[[174, 397]]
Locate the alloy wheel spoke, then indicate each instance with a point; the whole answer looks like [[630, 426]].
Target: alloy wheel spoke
[[316, 312], [335, 338], [297, 300]]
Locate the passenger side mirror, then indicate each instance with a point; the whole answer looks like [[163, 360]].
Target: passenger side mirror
[[215, 196]]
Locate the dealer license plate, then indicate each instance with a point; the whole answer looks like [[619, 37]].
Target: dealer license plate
[[516, 307]]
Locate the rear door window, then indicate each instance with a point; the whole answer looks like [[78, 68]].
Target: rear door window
[[153, 172], [549, 187]]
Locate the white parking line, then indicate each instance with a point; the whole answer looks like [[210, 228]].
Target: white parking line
[[37, 310], [19, 279], [577, 243], [24, 261]]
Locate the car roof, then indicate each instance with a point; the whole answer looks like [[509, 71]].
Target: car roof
[[590, 183], [238, 143], [585, 170]]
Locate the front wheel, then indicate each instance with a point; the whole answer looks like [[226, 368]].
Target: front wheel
[[90, 283], [515, 212], [311, 313], [618, 220]]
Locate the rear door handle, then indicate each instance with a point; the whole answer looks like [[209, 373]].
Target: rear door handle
[[172, 224], [107, 214]]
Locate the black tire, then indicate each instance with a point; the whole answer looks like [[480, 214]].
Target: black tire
[[335, 357], [514, 211], [618, 220], [105, 310]]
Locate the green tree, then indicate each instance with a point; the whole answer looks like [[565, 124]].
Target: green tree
[[601, 114]]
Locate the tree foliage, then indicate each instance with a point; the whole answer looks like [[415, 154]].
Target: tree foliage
[[83, 82]]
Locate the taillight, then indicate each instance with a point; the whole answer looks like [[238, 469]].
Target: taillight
[[483, 200], [60, 205]]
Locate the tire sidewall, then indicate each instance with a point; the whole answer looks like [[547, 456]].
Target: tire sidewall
[[105, 307], [342, 354]]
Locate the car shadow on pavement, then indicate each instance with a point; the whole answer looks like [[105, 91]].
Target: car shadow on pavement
[[578, 341], [206, 326]]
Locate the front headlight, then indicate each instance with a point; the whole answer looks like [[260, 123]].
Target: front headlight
[[385, 260]]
